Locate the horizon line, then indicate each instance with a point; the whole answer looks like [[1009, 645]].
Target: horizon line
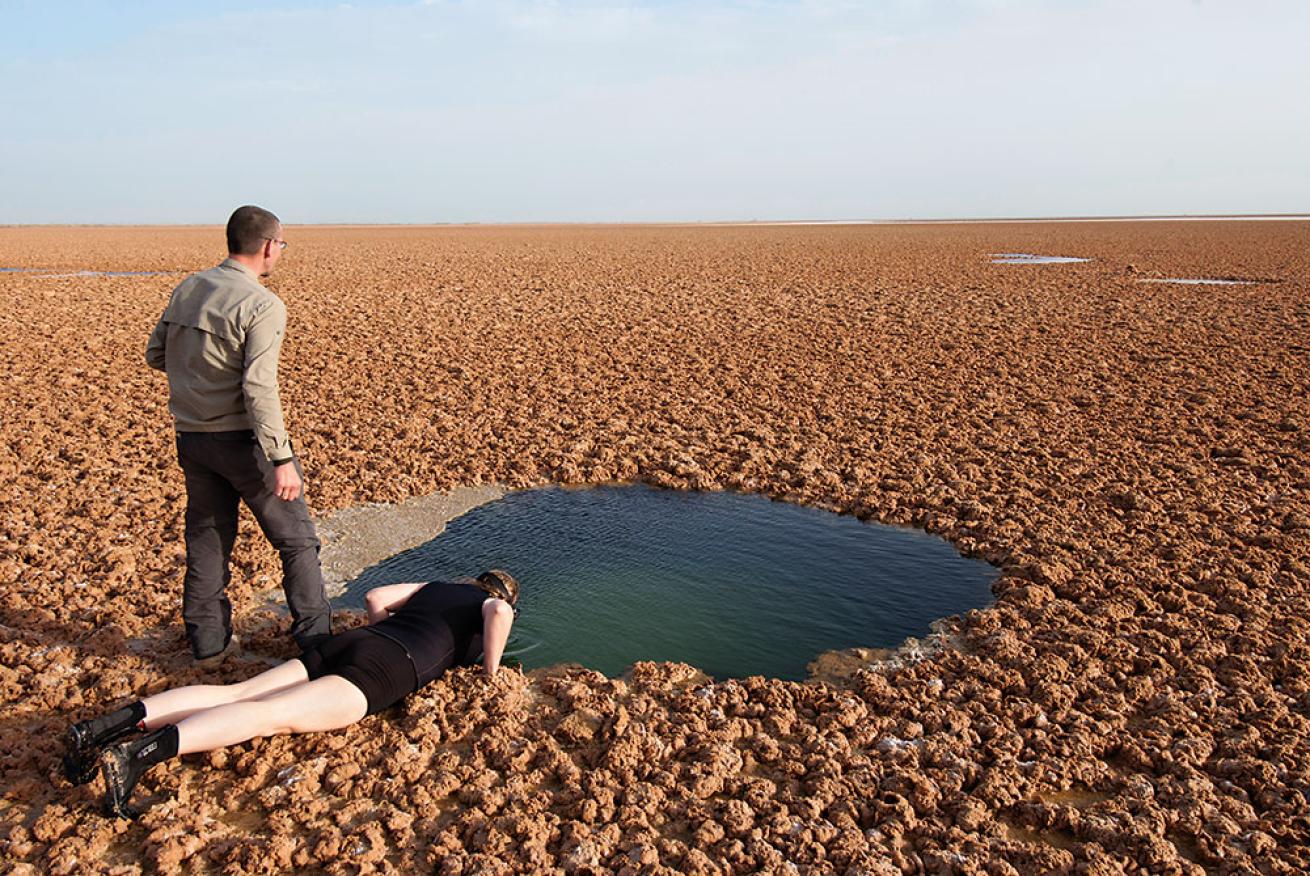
[[1144, 217]]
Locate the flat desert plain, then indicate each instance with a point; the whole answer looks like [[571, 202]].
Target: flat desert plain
[[1134, 457]]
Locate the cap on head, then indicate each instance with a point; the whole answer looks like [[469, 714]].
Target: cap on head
[[248, 228], [500, 584]]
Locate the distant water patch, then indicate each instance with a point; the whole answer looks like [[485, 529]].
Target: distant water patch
[[1027, 258], [734, 584], [55, 272], [1199, 281]]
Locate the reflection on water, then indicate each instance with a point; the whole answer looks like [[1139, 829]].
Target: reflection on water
[[1027, 258], [734, 584]]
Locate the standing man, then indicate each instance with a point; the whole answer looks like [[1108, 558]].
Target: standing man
[[218, 341]]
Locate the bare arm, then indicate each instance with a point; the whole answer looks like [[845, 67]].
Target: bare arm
[[382, 601], [497, 618]]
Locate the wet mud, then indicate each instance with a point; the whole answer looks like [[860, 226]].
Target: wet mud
[[1134, 457], [356, 538]]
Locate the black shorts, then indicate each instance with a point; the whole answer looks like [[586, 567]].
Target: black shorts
[[376, 665]]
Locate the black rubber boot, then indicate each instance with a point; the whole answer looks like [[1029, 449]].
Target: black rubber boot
[[124, 764], [86, 738]]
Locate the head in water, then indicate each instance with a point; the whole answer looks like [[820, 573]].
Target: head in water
[[500, 584]]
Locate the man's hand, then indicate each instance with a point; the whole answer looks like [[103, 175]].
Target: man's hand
[[286, 482]]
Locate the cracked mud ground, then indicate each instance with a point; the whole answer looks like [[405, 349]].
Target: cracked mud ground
[[1134, 457]]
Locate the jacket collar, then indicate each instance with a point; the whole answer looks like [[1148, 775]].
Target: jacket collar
[[233, 263]]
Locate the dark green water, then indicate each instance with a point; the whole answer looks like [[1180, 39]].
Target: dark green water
[[734, 584]]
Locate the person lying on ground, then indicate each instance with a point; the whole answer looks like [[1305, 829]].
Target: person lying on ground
[[416, 632]]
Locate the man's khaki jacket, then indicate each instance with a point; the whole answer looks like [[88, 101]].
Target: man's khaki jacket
[[218, 341]]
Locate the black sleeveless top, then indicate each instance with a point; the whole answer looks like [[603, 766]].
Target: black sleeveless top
[[439, 627]]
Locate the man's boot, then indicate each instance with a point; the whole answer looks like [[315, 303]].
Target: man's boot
[[213, 661]]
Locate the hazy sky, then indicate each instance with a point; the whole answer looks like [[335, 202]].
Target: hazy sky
[[525, 110]]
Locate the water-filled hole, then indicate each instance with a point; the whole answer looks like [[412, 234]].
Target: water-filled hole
[[1198, 281], [733, 584], [56, 272], [1027, 258]]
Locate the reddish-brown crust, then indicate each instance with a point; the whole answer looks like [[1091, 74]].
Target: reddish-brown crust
[[1135, 457]]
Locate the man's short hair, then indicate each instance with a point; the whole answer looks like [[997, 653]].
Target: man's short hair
[[248, 228]]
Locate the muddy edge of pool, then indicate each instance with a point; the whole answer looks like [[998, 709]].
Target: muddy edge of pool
[[357, 538]]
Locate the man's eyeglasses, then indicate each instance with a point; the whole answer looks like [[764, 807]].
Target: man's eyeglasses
[[281, 244]]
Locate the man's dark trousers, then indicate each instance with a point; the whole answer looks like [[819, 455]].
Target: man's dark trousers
[[222, 469]]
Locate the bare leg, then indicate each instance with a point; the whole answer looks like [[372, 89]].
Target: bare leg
[[327, 703], [172, 706]]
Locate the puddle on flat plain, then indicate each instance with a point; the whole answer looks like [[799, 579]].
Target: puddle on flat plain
[[1027, 258], [733, 584], [1197, 281], [55, 272]]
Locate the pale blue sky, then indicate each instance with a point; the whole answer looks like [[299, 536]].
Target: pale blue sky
[[527, 110]]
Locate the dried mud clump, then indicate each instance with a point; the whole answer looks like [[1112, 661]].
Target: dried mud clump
[[1135, 458]]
